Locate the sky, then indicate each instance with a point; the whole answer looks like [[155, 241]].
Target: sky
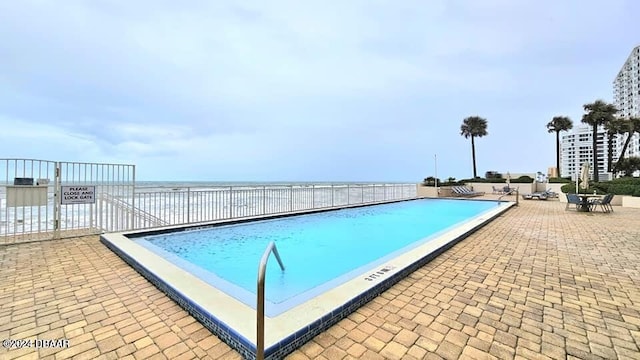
[[358, 90]]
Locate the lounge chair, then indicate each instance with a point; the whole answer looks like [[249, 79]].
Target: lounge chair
[[573, 199], [471, 192], [464, 191], [605, 203], [509, 190], [496, 190], [458, 191], [537, 195], [551, 193]]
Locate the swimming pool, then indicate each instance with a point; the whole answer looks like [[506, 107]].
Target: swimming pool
[[335, 262]]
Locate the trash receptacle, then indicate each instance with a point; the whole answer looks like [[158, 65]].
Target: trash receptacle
[[22, 181]]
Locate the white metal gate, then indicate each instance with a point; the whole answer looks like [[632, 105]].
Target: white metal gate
[[41, 199]]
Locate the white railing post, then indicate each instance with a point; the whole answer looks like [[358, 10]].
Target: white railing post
[[56, 201], [332, 203], [230, 202], [188, 205], [133, 196]]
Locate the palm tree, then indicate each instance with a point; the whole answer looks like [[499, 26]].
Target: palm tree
[[597, 114], [617, 126], [631, 126], [629, 165], [473, 126], [557, 124]]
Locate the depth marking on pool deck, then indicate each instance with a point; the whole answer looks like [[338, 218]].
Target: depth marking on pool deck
[[386, 270]]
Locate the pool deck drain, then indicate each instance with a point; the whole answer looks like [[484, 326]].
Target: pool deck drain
[[537, 280]]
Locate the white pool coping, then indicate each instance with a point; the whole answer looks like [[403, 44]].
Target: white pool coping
[[242, 318]]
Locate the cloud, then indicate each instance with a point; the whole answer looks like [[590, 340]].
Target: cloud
[[268, 85]]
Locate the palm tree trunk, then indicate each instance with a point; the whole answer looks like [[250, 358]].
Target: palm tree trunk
[[558, 152], [595, 153], [473, 155], [624, 149], [610, 150]]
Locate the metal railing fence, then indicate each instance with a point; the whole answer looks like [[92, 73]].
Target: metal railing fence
[[193, 205], [42, 199]]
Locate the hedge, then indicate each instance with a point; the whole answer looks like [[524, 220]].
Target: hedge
[[557, 180], [521, 180], [621, 186]]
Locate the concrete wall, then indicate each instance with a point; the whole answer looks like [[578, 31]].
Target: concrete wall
[[630, 201], [426, 191], [553, 186], [488, 187], [617, 200]]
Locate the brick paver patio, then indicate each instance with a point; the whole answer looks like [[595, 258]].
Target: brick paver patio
[[538, 282]]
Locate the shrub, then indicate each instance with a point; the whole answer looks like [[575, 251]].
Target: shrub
[[452, 182], [571, 189], [568, 188], [626, 180], [480, 180], [492, 175], [628, 166], [636, 193], [430, 181], [622, 189], [622, 186], [557, 180], [602, 186], [523, 180]]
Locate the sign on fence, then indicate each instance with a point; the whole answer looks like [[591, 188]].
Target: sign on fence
[[78, 195]]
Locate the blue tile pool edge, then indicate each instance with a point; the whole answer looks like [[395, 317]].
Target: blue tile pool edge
[[292, 342], [224, 332]]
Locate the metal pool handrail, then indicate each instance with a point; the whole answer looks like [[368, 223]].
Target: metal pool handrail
[[262, 268], [503, 195]]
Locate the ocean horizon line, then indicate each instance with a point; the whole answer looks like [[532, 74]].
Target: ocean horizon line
[[274, 182]]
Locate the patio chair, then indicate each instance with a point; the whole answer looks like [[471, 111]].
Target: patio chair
[[551, 193], [605, 203], [572, 199], [496, 190]]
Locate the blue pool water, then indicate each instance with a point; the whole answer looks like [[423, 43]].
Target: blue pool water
[[318, 250]]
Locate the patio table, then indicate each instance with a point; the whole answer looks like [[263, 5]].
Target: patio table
[[584, 201]]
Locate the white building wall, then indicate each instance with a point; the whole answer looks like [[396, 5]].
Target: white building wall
[[576, 149], [626, 95]]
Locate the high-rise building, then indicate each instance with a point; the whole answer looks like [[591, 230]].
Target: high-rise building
[[576, 145], [576, 149], [626, 95]]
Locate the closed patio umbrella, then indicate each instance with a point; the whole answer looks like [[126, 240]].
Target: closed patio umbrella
[[584, 176]]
